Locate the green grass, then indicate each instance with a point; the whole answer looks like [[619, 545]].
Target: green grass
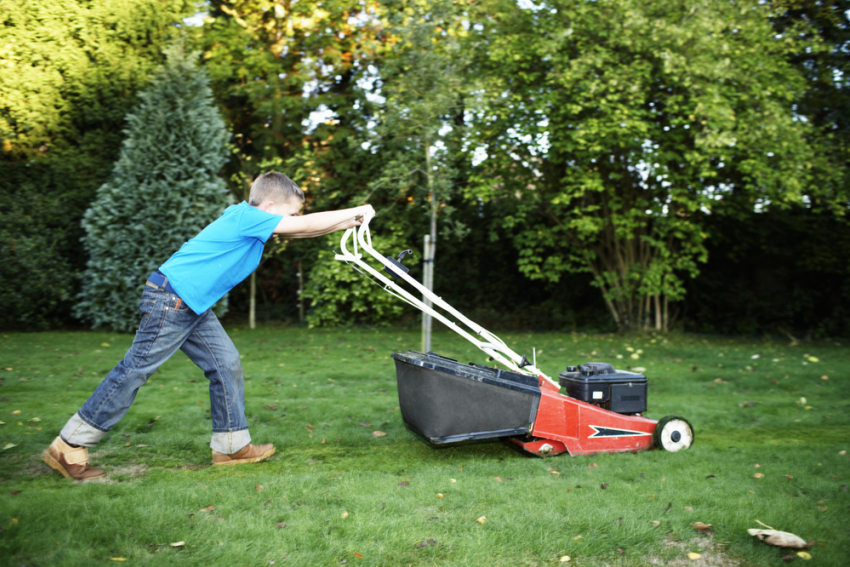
[[325, 383]]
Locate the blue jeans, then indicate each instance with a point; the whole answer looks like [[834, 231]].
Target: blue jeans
[[164, 328]]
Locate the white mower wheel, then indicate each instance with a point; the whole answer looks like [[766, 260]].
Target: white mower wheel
[[673, 433]]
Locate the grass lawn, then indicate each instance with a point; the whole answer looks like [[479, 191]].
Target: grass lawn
[[762, 453]]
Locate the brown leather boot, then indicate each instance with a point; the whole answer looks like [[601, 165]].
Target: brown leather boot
[[250, 454], [72, 462]]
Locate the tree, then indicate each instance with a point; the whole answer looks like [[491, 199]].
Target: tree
[[69, 73], [612, 124], [163, 190], [424, 83], [272, 65]]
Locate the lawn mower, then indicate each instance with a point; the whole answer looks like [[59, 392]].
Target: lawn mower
[[448, 402]]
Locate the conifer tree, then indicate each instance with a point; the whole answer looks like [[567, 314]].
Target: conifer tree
[[163, 190]]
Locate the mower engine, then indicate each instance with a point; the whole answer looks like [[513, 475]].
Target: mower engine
[[599, 384]]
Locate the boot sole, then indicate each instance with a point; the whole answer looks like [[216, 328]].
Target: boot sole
[[54, 464], [262, 457]]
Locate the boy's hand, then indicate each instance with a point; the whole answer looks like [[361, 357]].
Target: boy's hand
[[365, 214]]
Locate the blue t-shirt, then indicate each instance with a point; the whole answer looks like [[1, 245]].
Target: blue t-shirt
[[220, 256]]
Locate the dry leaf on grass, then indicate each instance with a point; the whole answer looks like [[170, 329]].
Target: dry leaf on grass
[[439, 495], [280, 525], [758, 475], [177, 544], [117, 559], [779, 539], [803, 555], [259, 487], [656, 523], [694, 556], [344, 515], [207, 509], [358, 556], [498, 479], [482, 519], [403, 483], [700, 526], [553, 471], [378, 433], [603, 487], [565, 559], [689, 508]]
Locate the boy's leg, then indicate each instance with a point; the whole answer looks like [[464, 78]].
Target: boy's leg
[[161, 332], [212, 350]]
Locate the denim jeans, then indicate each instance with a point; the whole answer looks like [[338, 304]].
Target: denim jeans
[[164, 328]]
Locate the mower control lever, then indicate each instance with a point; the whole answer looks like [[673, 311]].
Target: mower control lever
[[524, 362], [397, 263]]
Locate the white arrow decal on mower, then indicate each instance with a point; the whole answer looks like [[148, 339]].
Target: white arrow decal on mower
[[599, 431]]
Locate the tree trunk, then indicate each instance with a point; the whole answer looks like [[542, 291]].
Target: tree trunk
[[252, 303], [657, 312]]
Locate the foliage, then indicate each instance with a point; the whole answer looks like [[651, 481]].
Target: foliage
[[286, 75], [339, 385], [69, 73], [780, 272], [164, 189], [613, 123]]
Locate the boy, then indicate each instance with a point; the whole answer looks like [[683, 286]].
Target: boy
[[176, 314]]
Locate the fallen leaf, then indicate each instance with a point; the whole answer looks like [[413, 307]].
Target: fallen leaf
[[788, 476], [663, 479], [842, 452], [178, 544], [803, 555], [440, 495], [344, 515], [604, 486], [482, 519], [16, 412], [364, 424], [822, 508], [498, 479], [404, 483], [7, 446], [578, 537], [117, 559], [700, 526], [620, 549], [142, 445], [259, 487], [553, 471], [756, 466], [694, 556], [270, 407], [378, 434], [592, 466], [656, 523], [689, 508], [779, 539], [565, 559], [814, 359], [358, 556], [824, 377], [280, 525], [127, 444], [125, 435], [758, 475], [207, 509]]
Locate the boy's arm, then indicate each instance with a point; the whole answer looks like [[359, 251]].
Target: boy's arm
[[317, 224]]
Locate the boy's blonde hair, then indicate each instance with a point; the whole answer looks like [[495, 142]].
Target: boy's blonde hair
[[274, 186]]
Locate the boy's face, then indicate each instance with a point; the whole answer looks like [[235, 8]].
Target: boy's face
[[288, 208]]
